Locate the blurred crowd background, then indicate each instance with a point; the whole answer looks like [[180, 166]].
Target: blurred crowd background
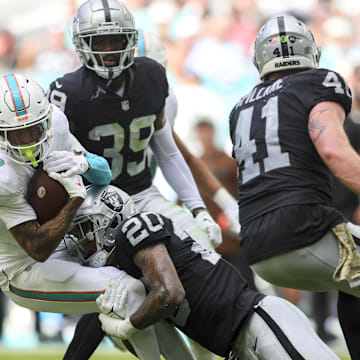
[[209, 57], [208, 45]]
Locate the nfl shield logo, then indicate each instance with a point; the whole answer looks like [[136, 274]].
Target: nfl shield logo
[[125, 105]]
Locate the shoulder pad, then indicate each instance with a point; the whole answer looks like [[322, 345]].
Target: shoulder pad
[[325, 85]]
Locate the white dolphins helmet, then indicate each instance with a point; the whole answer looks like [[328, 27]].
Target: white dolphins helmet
[[150, 45], [26, 131], [284, 43], [98, 219], [103, 18]]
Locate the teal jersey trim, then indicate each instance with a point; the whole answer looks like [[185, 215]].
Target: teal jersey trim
[[84, 296]]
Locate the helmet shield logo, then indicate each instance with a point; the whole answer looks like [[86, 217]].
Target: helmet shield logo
[[112, 200]]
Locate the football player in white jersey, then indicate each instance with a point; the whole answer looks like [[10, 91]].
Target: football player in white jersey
[[34, 273]]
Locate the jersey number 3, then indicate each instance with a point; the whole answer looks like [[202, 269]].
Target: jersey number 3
[[250, 160]]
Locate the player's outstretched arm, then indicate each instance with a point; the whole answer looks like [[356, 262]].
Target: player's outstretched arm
[[331, 142]]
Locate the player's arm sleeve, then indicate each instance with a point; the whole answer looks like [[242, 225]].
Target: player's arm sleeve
[[174, 167], [171, 107], [99, 172]]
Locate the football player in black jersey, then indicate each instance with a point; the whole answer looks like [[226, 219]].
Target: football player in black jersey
[[288, 138], [115, 105], [192, 287]]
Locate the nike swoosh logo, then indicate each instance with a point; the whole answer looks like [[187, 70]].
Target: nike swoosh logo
[[255, 345], [59, 86]]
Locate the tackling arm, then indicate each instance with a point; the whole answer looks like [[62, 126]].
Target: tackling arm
[[166, 290], [331, 142], [165, 296]]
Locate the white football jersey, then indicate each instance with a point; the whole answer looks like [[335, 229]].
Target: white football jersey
[[14, 208]]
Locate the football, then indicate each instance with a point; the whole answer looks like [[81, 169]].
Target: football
[[46, 195]]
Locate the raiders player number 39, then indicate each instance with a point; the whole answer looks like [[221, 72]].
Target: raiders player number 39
[[115, 104]]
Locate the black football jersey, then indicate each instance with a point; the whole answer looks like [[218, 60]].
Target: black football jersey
[[278, 163], [217, 299], [116, 127]]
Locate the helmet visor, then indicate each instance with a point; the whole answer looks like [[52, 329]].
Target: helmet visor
[[28, 135]]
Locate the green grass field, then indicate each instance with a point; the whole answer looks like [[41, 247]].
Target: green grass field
[[57, 355]]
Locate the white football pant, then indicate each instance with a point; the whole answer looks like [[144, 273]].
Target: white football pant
[[279, 330]]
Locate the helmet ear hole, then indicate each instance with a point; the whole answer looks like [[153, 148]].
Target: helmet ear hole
[[115, 222]]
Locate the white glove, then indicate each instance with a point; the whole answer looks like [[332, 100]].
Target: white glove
[[66, 162], [73, 184], [122, 329], [114, 300], [212, 229]]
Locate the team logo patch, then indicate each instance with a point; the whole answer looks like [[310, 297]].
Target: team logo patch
[[125, 105], [41, 192], [112, 200], [2, 162], [99, 91]]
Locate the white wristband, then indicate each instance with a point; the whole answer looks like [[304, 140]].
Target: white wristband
[[127, 328], [223, 198]]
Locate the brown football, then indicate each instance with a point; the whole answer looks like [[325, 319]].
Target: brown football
[[46, 195]]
